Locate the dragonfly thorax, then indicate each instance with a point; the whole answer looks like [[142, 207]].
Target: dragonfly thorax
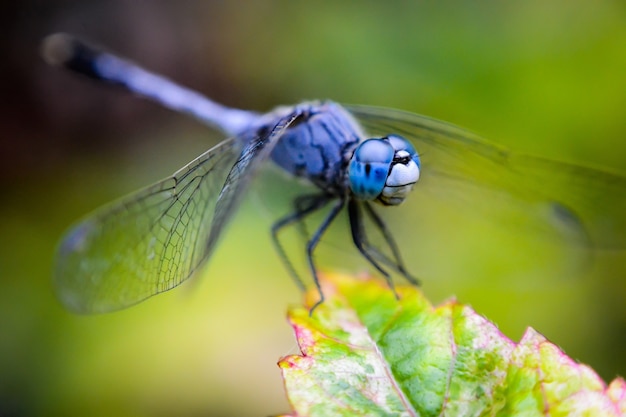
[[384, 170], [318, 144]]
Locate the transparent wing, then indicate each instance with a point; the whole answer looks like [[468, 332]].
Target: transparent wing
[[145, 243], [154, 239], [583, 204]]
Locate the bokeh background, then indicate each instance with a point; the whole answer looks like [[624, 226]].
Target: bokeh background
[[546, 78]]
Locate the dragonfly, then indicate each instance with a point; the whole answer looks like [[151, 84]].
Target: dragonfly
[[357, 158]]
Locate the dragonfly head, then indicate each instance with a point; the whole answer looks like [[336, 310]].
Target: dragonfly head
[[384, 170]]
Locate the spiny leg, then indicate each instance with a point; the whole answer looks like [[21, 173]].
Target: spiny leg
[[360, 241], [305, 205], [334, 211], [399, 263], [373, 250]]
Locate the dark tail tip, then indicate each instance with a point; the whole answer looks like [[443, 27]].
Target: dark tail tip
[[67, 51], [58, 49]]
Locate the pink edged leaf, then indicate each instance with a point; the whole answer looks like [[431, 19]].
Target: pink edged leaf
[[366, 353]]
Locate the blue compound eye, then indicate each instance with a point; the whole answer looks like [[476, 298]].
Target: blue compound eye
[[384, 170], [369, 167]]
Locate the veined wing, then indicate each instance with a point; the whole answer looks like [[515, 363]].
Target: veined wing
[[154, 239], [145, 243], [461, 166]]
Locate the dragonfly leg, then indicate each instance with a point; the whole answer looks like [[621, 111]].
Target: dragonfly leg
[[310, 247], [300, 204], [360, 241], [304, 205], [399, 263]]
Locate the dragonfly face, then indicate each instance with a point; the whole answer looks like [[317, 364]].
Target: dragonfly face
[[156, 238], [384, 170]]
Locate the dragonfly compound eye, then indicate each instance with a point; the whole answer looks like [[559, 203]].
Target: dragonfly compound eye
[[385, 169], [369, 167]]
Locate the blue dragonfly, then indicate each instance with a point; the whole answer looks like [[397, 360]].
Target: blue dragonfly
[[355, 157]]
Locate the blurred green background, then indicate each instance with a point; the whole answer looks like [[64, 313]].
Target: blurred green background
[[542, 77]]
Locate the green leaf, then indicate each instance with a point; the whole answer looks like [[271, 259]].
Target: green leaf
[[366, 353]]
